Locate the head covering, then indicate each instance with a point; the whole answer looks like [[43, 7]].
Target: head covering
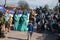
[[20, 11], [25, 12], [16, 13]]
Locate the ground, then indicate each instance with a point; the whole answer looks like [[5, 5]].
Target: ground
[[16, 35]]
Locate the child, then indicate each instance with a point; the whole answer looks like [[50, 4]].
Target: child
[[30, 29]]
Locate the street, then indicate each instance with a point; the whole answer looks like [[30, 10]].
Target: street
[[16, 35]]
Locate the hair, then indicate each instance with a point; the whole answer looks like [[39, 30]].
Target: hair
[[30, 21], [32, 14]]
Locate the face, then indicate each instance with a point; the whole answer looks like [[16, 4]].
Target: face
[[7, 11], [31, 21], [15, 9]]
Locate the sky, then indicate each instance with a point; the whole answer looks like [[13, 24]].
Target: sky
[[34, 3]]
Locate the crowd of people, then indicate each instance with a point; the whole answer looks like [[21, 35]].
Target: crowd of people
[[21, 23], [46, 20], [5, 22]]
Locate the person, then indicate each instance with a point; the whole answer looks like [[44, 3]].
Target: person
[[2, 23], [9, 23], [23, 23], [16, 20], [20, 21], [32, 15], [30, 29], [6, 19]]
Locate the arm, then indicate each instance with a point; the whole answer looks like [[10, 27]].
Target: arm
[[15, 17]]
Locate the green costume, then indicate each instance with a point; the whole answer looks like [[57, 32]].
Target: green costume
[[23, 21], [16, 21]]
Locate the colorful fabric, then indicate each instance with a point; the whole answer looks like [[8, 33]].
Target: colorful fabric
[[30, 27], [23, 21], [6, 16]]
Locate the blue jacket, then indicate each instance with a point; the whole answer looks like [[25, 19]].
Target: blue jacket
[[30, 27]]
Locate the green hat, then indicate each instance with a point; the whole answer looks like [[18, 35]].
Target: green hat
[[25, 12]]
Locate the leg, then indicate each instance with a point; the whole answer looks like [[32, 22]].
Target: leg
[[9, 28], [2, 33], [3, 28], [28, 35], [31, 35], [6, 27]]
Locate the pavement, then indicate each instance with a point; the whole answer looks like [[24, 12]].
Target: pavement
[[17, 35]]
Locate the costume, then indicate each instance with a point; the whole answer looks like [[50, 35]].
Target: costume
[[23, 21], [16, 21]]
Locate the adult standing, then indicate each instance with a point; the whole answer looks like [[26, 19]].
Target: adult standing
[[32, 15], [20, 21], [2, 23], [16, 20], [6, 19], [24, 21], [9, 23]]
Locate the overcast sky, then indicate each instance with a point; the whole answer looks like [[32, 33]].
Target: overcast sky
[[33, 3]]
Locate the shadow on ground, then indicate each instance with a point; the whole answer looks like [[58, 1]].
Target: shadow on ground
[[47, 37], [16, 38]]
